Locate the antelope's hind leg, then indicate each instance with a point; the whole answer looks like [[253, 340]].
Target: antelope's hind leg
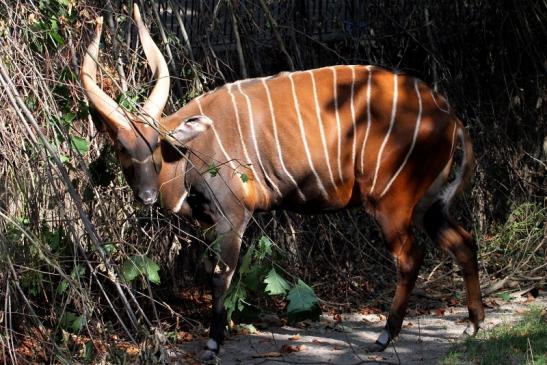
[[447, 233]]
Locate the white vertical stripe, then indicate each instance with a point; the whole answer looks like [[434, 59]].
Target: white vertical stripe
[[245, 152], [335, 96], [278, 145], [453, 139], [447, 111], [353, 115], [304, 141], [226, 156], [232, 165], [369, 117], [414, 137], [181, 200], [321, 128], [253, 136], [391, 123]]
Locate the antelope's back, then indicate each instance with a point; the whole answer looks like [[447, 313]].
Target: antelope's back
[[303, 140]]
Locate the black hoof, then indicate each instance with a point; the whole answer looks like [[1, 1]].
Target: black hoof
[[208, 356], [471, 329], [376, 347]]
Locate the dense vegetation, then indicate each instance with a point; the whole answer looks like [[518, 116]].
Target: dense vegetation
[[87, 274]]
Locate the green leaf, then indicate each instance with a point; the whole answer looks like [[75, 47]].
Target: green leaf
[[213, 170], [254, 277], [79, 144], [235, 299], [22, 220], [244, 268], [128, 102], [78, 323], [88, 352], [63, 158], [109, 248], [247, 329], [57, 39], [77, 271], [62, 287], [72, 321], [275, 284], [68, 118], [505, 296], [152, 272], [31, 102], [52, 238], [244, 177], [140, 265], [301, 298], [264, 247], [55, 36]]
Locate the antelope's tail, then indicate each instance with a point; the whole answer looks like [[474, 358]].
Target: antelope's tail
[[464, 170]]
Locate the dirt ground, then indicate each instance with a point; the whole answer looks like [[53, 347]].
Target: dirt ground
[[424, 339]]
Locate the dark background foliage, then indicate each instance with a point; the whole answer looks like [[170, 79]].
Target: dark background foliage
[[68, 225]]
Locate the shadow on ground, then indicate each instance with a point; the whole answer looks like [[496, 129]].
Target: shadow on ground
[[424, 339]]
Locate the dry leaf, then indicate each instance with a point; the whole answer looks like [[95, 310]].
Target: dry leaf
[[267, 354], [320, 342], [295, 337], [369, 310], [376, 357], [491, 304], [184, 336], [287, 349]]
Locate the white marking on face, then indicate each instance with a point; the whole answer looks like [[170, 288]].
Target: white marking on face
[[321, 128], [278, 145], [304, 141], [369, 117], [414, 137], [338, 128], [253, 137], [212, 345], [391, 124]]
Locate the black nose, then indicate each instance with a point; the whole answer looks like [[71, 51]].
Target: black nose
[[148, 196]]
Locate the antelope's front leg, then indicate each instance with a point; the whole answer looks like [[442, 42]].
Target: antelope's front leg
[[223, 267]]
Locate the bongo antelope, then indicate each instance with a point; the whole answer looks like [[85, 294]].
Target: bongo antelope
[[307, 141]]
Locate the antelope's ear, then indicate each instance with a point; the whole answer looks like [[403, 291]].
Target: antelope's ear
[[188, 129]]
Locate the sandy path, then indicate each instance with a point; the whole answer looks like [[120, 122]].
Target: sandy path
[[424, 339]]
